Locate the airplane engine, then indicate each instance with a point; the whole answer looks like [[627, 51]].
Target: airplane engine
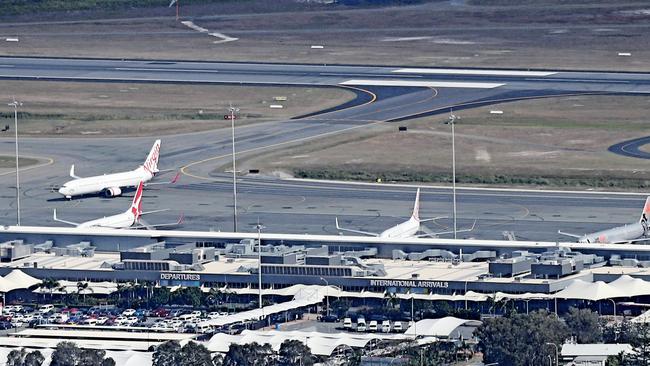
[[112, 192]]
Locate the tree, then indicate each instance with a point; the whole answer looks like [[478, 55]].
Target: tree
[[81, 286], [66, 354], [34, 358], [167, 354], [50, 285], [251, 354], [641, 347], [520, 339], [194, 354], [108, 362], [16, 357], [91, 357], [583, 324], [293, 352]]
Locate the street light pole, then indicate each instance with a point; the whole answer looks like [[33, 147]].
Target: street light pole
[[327, 298], [259, 228], [234, 170], [452, 121], [556, 352], [15, 104]]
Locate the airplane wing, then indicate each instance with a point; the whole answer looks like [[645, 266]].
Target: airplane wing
[[352, 230], [569, 234], [142, 224], [154, 211], [430, 233], [64, 221], [172, 181], [435, 218]]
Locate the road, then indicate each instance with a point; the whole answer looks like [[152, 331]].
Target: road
[[299, 207]]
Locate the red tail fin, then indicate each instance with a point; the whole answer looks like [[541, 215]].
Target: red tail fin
[[645, 215], [136, 205]]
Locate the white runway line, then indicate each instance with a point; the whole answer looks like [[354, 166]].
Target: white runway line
[[224, 38], [476, 72], [424, 84]]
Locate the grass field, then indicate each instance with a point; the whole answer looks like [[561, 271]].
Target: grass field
[[502, 33], [541, 142], [87, 109]]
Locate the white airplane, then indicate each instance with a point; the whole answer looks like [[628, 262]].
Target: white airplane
[[129, 219], [407, 229], [637, 231], [110, 185]]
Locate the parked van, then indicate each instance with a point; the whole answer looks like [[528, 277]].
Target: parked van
[[372, 327], [203, 328], [347, 323], [45, 309], [361, 325], [186, 317], [385, 326]]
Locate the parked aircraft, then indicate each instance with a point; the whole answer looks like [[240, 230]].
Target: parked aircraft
[[407, 229], [111, 185], [637, 231], [129, 219]]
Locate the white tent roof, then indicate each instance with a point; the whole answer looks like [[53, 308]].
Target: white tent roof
[[17, 279], [593, 291], [70, 287], [631, 286], [319, 343], [527, 296], [443, 327]]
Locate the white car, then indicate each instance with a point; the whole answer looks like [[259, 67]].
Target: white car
[[132, 320], [385, 326], [128, 312], [214, 315], [197, 314], [347, 323], [120, 321], [45, 309], [102, 320], [372, 327], [90, 321], [361, 325]]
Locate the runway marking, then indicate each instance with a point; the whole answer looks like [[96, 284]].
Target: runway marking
[[475, 72], [163, 69], [581, 81], [49, 161], [377, 75], [426, 84]]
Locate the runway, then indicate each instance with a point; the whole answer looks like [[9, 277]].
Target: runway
[[307, 207]]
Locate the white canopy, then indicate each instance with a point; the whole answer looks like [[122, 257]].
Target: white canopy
[[319, 343], [631, 286], [593, 291], [71, 287], [303, 295], [17, 279], [437, 327]]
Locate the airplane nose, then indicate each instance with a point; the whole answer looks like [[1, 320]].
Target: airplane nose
[[64, 191]]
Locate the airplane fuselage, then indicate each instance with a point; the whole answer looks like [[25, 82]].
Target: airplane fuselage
[[407, 229], [100, 183], [119, 221], [618, 234]]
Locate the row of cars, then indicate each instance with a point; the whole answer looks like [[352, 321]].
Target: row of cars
[[373, 326]]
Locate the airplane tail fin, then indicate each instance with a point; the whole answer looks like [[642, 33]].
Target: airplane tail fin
[[136, 205], [151, 164], [416, 207], [645, 215], [72, 174]]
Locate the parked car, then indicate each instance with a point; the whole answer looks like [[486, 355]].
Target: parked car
[[372, 327], [329, 318], [385, 326], [397, 327], [46, 309], [347, 323], [128, 312], [361, 324]]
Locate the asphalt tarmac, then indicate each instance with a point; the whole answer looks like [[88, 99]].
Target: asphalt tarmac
[[205, 198]]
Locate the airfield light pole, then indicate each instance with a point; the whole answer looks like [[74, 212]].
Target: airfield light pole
[[452, 122], [259, 228], [234, 170], [15, 104], [327, 298]]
